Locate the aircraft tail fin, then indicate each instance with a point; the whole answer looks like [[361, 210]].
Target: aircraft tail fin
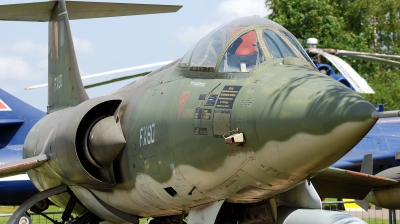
[[65, 87], [12, 107]]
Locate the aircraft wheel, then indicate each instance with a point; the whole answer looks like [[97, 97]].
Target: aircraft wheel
[[25, 219], [41, 206]]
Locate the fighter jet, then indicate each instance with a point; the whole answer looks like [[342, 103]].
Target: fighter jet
[[16, 119], [238, 130]]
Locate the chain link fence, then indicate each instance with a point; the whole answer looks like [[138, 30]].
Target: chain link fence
[[374, 215], [35, 218]]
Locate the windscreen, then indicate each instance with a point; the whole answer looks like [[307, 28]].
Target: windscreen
[[277, 47], [297, 45]]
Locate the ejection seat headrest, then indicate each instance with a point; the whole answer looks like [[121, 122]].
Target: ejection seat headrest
[[247, 46]]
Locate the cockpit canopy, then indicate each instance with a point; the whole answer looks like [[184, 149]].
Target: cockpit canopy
[[240, 45]]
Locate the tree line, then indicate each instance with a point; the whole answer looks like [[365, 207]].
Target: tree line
[[356, 25]]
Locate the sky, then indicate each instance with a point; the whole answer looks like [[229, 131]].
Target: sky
[[108, 44]]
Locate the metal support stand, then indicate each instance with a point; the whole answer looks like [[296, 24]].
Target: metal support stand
[[392, 216]]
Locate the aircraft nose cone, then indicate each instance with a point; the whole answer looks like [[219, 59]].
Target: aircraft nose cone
[[333, 104], [311, 117], [315, 104]]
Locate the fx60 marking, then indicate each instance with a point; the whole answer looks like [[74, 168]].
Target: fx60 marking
[[147, 135]]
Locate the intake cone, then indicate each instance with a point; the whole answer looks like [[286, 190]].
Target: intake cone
[[106, 140]]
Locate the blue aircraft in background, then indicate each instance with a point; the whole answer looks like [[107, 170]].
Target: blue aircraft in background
[[382, 141], [16, 119]]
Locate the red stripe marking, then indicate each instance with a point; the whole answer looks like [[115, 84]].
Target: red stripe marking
[[18, 165], [366, 175], [182, 102]]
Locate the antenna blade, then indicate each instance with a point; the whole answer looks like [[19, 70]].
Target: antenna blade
[[359, 84]]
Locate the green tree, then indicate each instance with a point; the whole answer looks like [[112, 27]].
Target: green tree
[[315, 18], [358, 25]]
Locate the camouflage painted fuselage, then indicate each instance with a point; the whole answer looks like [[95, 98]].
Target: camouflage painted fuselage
[[295, 120], [295, 124]]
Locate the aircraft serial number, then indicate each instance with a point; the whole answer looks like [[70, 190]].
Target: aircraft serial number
[[147, 134]]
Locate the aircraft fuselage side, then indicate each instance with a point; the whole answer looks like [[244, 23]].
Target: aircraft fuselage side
[[174, 127]]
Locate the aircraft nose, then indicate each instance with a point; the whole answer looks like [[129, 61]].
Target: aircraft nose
[[311, 117], [330, 104]]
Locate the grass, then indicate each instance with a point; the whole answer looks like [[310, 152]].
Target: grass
[[7, 209], [35, 218], [376, 221]]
